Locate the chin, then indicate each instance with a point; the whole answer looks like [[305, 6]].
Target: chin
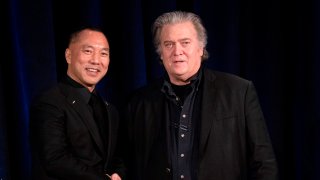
[[92, 81], [180, 73]]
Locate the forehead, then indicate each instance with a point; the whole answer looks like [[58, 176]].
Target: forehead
[[178, 31], [93, 38]]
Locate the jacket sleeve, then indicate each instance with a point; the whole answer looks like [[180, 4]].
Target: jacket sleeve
[[262, 161], [117, 157]]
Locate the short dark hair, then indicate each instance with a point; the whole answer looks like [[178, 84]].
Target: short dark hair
[[74, 35]]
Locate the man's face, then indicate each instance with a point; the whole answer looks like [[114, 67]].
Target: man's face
[[180, 51], [88, 58]]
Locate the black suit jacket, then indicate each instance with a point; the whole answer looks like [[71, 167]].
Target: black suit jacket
[[65, 138], [234, 142]]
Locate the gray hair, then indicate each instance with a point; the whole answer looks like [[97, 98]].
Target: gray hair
[[178, 17]]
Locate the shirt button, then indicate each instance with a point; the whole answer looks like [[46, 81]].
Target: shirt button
[[182, 176], [168, 170], [184, 116], [182, 135], [182, 155]]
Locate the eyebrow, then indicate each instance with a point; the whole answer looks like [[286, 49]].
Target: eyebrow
[[90, 46], [106, 49], [183, 39]]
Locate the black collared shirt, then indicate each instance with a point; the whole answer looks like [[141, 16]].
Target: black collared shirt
[[183, 113]]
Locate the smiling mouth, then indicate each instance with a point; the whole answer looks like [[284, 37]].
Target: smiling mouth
[[92, 70]]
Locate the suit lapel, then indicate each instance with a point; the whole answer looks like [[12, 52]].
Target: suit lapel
[[85, 115], [208, 107], [111, 126]]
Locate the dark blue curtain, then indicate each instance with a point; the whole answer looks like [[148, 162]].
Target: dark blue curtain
[[274, 43]]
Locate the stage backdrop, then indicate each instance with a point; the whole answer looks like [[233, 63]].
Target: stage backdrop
[[274, 43]]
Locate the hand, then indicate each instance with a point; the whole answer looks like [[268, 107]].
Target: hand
[[114, 176]]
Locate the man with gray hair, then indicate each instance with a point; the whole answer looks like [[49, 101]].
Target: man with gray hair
[[195, 123]]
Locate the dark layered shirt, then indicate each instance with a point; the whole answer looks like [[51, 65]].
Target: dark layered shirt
[[184, 112]]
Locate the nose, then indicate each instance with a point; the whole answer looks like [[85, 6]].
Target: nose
[[95, 59], [177, 49]]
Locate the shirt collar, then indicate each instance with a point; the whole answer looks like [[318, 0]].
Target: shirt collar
[[194, 83], [80, 89]]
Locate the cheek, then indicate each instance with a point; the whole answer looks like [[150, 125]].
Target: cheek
[[105, 63], [167, 64], [165, 57], [199, 51], [79, 60]]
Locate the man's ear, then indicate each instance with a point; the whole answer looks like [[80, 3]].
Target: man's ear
[[202, 52], [67, 55]]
